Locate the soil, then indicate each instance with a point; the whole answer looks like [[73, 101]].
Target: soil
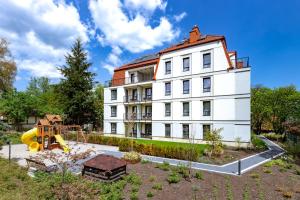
[[217, 186], [228, 156]]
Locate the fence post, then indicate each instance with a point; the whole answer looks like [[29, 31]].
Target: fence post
[[9, 150], [239, 167]]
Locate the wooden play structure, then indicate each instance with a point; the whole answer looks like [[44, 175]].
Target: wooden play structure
[[48, 133]]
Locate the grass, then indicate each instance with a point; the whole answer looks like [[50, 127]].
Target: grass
[[157, 186], [199, 147]]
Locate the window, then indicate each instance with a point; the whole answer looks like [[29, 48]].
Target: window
[[168, 88], [148, 94], [185, 131], [167, 130], [168, 67], [206, 60], [206, 84], [167, 109], [186, 64], [206, 108], [113, 111], [113, 127], [132, 78], [148, 129], [134, 95], [113, 94], [206, 130], [186, 108], [186, 86]]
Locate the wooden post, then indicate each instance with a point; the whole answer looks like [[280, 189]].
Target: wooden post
[[239, 167]]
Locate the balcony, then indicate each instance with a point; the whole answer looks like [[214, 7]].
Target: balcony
[[137, 98], [241, 63], [138, 116]]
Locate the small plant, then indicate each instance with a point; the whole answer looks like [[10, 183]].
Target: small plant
[[287, 194], [297, 172], [135, 188], [132, 157], [183, 170], [267, 171], [229, 195], [254, 175], [282, 170], [157, 186], [134, 179], [145, 161], [246, 193], [238, 141], [279, 189], [165, 166], [195, 189], [150, 194], [134, 196], [214, 138], [258, 143], [152, 178], [199, 175], [173, 178]]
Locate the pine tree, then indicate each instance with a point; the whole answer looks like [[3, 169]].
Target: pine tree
[[76, 87]]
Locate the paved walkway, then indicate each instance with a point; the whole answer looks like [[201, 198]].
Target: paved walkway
[[20, 152], [247, 163]]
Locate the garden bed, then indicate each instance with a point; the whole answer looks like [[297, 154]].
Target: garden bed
[[153, 181]]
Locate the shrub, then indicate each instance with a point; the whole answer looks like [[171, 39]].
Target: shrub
[[173, 178], [199, 175], [157, 186], [297, 172], [182, 152], [150, 194], [257, 143], [238, 141], [132, 157], [165, 166], [135, 188], [274, 136], [214, 138], [134, 179]]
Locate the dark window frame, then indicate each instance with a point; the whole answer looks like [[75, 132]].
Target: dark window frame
[[168, 92], [184, 90], [184, 68], [185, 113], [113, 113], [113, 131], [168, 66], [185, 131], [167, 113], [204, 130], [208, 64], [168, 134], [114, 96], [205, 88], [206, 112]]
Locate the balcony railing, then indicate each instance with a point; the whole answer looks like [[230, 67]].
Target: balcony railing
[[137, 98], [128, 80], [241, 63], [138, 116]]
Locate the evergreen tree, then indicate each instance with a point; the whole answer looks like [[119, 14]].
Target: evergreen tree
[[76, 87]]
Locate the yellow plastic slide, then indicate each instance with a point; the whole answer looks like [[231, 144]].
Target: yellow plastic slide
[[62, 143], [26, 138]]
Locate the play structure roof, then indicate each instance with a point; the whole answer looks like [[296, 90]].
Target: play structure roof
[[53, 118]]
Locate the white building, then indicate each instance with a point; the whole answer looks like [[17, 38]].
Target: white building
[[181, 92]]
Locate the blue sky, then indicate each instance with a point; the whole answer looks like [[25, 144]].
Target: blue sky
[[117, 31]]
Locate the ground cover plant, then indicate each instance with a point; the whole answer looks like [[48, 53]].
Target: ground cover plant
[[145, 181]]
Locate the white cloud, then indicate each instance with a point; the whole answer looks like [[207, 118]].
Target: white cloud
[[133, 34], [40, 33], [149, 5], [109, 67], [180, 17]]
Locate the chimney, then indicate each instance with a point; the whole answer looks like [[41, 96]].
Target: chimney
[[194, 34]]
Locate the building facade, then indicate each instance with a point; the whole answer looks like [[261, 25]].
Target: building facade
[[180, 93]]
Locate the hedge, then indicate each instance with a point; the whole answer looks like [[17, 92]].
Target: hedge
[[125, 144]]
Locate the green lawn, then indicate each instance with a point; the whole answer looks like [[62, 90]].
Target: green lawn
[[200, 147]]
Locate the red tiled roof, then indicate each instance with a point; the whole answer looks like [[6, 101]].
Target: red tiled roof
[[186, 44], [138, 64]]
